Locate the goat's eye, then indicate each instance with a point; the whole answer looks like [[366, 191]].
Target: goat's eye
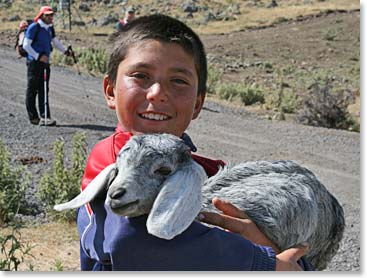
[[164, 171]]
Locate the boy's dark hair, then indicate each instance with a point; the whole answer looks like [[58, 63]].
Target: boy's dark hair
[[163, 28]]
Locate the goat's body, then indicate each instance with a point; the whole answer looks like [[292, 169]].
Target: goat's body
[[156, 174], [287, 203]]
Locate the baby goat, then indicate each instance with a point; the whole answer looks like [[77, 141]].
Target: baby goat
[[154, 174]]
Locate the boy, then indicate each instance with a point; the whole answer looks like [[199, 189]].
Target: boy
[[156, 82]]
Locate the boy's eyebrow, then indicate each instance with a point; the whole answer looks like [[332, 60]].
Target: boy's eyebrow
[[175, 69], [140, 65], [184, 71]]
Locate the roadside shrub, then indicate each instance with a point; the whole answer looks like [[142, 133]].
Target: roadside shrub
[[214, 78], [61, 183], [61, 59], [289, 102], [12, 250], [251, 95], [284, 100], [13, 184], [282, 97], [93, 60], [248, 95], [227, 90], [327, 108]]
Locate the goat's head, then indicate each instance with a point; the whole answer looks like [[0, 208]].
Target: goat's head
[[154, 174]]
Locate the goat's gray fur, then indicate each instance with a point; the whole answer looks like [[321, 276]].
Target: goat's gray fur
[[154, 174]]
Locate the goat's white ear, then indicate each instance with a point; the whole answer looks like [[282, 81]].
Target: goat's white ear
[[100, 182], [178, 202]]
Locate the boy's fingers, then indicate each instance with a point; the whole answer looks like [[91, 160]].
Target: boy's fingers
[[228, 209], [223, 221], [287, 260], [297, 251]]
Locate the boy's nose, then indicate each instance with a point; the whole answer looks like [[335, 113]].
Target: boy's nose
[[157, 92]]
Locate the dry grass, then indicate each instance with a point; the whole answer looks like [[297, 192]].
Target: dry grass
[[50, 243], [255, 17], [250, 16]]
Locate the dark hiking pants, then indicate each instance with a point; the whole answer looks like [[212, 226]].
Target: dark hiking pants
[[35, 86]]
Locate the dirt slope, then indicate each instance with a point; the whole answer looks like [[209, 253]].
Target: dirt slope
[[222, 131]]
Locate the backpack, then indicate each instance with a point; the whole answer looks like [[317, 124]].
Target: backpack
[[20, 38]]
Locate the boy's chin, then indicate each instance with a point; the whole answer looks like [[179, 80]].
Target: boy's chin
[[159, 131]]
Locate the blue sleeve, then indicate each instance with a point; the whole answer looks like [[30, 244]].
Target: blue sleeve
[[119, 243], [31, 31]]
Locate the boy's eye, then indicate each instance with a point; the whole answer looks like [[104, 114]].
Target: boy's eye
[[180, 81], [140, 75]]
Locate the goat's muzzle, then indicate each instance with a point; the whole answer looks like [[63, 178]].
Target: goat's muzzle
[[120, 208], [116, 194]]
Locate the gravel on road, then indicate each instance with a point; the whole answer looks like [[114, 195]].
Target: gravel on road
[[221, 131]]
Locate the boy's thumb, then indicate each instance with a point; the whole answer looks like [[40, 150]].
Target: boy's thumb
[[298, 250]]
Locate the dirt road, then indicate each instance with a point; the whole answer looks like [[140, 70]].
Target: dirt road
[[222, 131]]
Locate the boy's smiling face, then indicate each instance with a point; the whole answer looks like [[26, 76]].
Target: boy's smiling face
[[156, 89]]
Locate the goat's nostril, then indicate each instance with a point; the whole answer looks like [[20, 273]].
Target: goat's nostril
[[118, 193]]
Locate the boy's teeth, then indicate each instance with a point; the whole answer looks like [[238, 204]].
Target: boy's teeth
[[156, 117]]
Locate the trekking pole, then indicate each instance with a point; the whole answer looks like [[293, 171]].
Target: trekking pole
[[46, 93]]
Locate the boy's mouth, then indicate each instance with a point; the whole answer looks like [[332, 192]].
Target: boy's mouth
[[154, 116]]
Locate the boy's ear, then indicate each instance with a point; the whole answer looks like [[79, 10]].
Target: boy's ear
[[109, 93], [198, 105]]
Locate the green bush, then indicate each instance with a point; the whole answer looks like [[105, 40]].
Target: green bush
[[61, 184], [248, 95], [12, 250], [93, 60], [227, 90], [13, 184], [214, 78], [251, 95], [283, 97], [284, 100]]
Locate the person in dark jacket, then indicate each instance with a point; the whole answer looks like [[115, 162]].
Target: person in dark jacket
[[156, 82], [38, 41], [128, 18]]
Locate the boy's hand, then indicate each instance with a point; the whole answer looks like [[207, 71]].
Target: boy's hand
[[287, 260], [235, 220]]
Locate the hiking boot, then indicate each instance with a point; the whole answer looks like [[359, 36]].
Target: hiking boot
[[35, 121], [49, 122]]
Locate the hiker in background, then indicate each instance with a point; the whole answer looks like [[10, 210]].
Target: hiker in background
[[37, 42], [129, 16]]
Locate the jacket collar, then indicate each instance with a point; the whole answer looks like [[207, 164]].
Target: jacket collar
[[44, 25]]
